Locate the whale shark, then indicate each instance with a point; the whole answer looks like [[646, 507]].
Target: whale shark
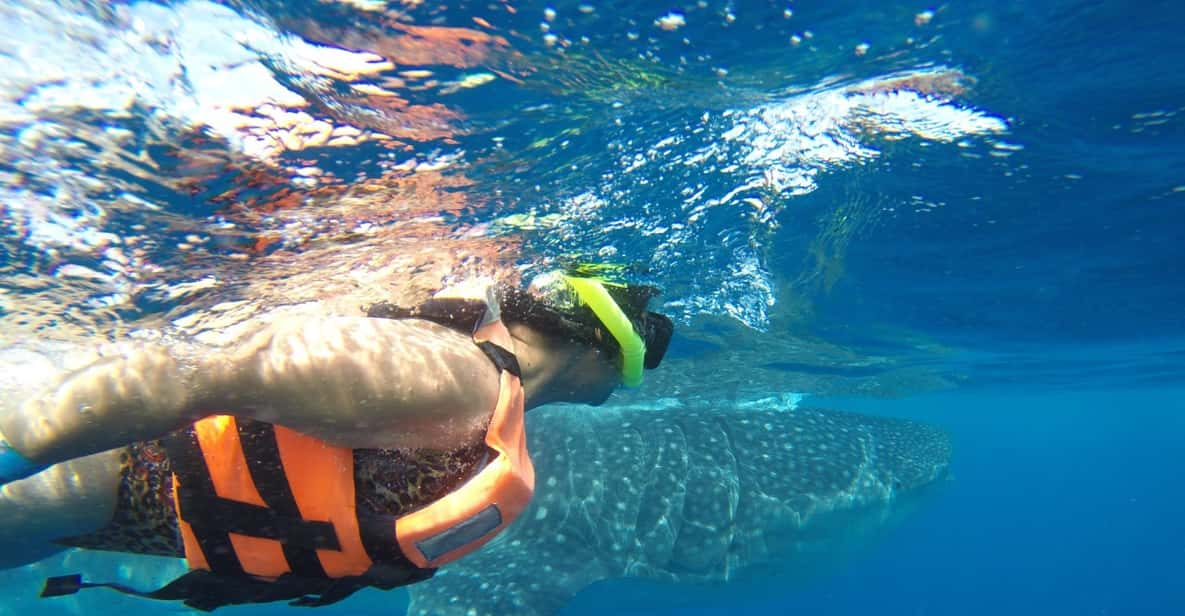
[[688, 495], [679, 493]]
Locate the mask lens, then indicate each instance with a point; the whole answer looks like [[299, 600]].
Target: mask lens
[[551, 290]]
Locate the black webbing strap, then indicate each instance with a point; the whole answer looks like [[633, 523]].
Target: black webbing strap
[[267, 471], [207, 591], [378, 537], [503, 359], [203, 590], [212, 517], [185, 454]]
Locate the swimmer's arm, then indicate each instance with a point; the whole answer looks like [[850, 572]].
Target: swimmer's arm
[[137, 393], [357, 382], [361, 382]]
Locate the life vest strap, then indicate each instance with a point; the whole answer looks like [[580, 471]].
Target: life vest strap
[[207, 591], [213, 518], [267, 472], [503, 359]]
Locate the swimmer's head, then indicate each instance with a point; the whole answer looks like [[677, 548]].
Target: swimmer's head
[[608, 315], [556, 306]]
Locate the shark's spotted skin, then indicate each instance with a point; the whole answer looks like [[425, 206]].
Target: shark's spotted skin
[[685, 495]]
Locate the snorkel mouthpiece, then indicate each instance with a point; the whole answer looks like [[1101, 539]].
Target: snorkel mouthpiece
[[633, 349]]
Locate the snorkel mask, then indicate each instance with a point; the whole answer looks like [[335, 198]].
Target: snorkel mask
[[642, 340]]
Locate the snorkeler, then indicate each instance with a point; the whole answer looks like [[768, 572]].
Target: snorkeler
[[317, 456]]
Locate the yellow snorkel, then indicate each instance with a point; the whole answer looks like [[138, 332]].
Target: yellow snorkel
[[633, 350]]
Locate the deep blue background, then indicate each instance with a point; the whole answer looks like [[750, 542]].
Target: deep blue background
[[1063, 286], [1041, 257], [1060, 503]]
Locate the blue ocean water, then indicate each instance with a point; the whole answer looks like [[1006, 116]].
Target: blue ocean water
[[970, 214], [1062, 503]]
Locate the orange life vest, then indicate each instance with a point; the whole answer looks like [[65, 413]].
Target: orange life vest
[[267, 513], [265, 500]]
